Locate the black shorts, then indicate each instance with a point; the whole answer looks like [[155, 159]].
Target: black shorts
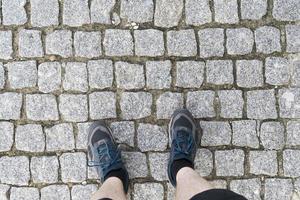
[[214, 194]]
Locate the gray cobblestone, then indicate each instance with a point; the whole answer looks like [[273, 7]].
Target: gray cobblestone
[[3, 191], [215, 133], [80, 192], [136, 164], [73, 108], [197, 12], [226, 11], [229, 162], [87, 44], [22, 74], [10, 105], [56, 141], [295, 76], [6, 135], [152, 138], [49, 77], [44, 13], [129, 76], [14, 170], [153, 191], [118, 42], [261, 104], [286, 10], [59, 42], [75, 77], [263, 162], [55, 192], [232, 103], [123, 132], [219, 72], [149, 42], [135, 105], [44, 169], [211, 42], [277, 71], [291, 163], [41, 107], [249, 188], [25, 193], [201, 103], [100, 73], [204, 162], [100, 11], [2, 76], [278, 189], [159, 161], [73, 167], [167, 103], [182, 43], [272, 135], [13, 12], [289, 103], [30, 137], [76, 12], [158, 74], [30, 43], [293, 134], [82, 135], [189, 74], [244, 133], [219, 184], [6, 48], [137, 10], [267, 39], [253, 10], [102, 105], [168, 13], [239, 41], [249, 73], [292, 38]]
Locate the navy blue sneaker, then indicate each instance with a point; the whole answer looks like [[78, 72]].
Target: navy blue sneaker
[[104, 153], [183, 133]]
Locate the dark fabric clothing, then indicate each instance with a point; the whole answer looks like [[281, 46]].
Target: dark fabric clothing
[[218, 194], [105, 199]]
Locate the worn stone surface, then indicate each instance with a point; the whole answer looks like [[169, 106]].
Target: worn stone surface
[[55, 192], [44, 169], [76, 12], [226, 11], [215, 133], [136, 164], [244, 133], [87, 44], [102, 105], [267, 39], [272, 135], [137, 10], [73, 108], [231, 103], [229, 162], [13, 12], [189, 74], [129, 76], [291, 163], [289, 101], [292, 38], [211, 42], [44, 13], [278, 189], [100, 11], [6, 48], [10, 105], [249, 188], [263, 162], [249, 73], [201, 103], [159, 161], [277, 71], [167, 103], [197, 12], [100, 73], [182, 43], [239, 41], [75, 77], [59, 42], [158, 74], [253, 9], [73, 167], [49, 77], [153, 191], [219, 72], [168, 13], [151, 138], [25, 193], [30, 43], [286, 10], [118, 42], [123, 132], [6, 135]]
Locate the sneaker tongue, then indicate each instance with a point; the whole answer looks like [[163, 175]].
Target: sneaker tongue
[[183, 139]]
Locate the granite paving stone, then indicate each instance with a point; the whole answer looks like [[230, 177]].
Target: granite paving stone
[[231, 103], [129, 76], [292, 38], [159, 161], [100, 11], [278, 189], [44, 169], [293, 133], [2, 76], [277, 71], [55, 192], [291, 163], [124, 132], [239, 41], [267, 39], [167, 103], [215, 133], [75, 77], [197, 12], [82, 135], [158, 74], [137, 10], [253, 9], [263, 162], [153, 191], [286, 10], [118, 42], [4, 191], [13, 12], [289, 103], [219, 72], [25, 193], [100, 73], [44, 13], [6, 45], [6, 135], [102, 105], [49, 77], [76, 12], [182, 43], [229, 162], [272, 135], [249, 188], [249, 73], [73, 108], [80, 192], [204, 162], [211, 42], [189, 74], [87, 44], [30, 43], [295, 72], [244, 133], [10, 105], [168, 13], [226, 11], [59, 42], [136, 164], [201, 103]]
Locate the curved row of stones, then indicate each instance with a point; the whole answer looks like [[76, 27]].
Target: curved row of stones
[[233, 63]]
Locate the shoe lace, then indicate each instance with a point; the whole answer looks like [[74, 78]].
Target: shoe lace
[[184, 143]]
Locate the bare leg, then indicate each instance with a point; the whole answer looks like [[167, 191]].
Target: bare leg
[[190, 183], [112, 188]]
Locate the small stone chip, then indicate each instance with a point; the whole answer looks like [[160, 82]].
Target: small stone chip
[[292, 38], [73, 108], [229, 162], [167, 103], [219, 72], [22, 74], [44, 169], [55, 192], [215, 133], [100, 73], [137, 10], [289, 103], [272, 135], [49, 77], [239, 41], [168, 13], [261, 104], [6, 135], [249, 188], [151, 138], [267, 39], [201, 103], [100, 11], [10, 105], [30, 44], [87, 44], [278, 189], [263, 162], [135, 105], [76, 12], [59, 137], [75, 77], [26, 193], [277, 71], [182, 43], [59, 42], [136, 164], [291, 163], [286, 10], [44, 13], [244, 133], [249, 73], [253, 9], [143, 191], [226, 11], [102, 105], [158, 74], [30, 137], [6, 48], [158, 162], [211, 42], [13, 12], [123, 132], [73, 167], [232, 103], [129, 76], [189, 74], [197, 12]]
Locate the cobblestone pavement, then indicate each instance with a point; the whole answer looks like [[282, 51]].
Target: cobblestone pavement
[[234, 63]]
